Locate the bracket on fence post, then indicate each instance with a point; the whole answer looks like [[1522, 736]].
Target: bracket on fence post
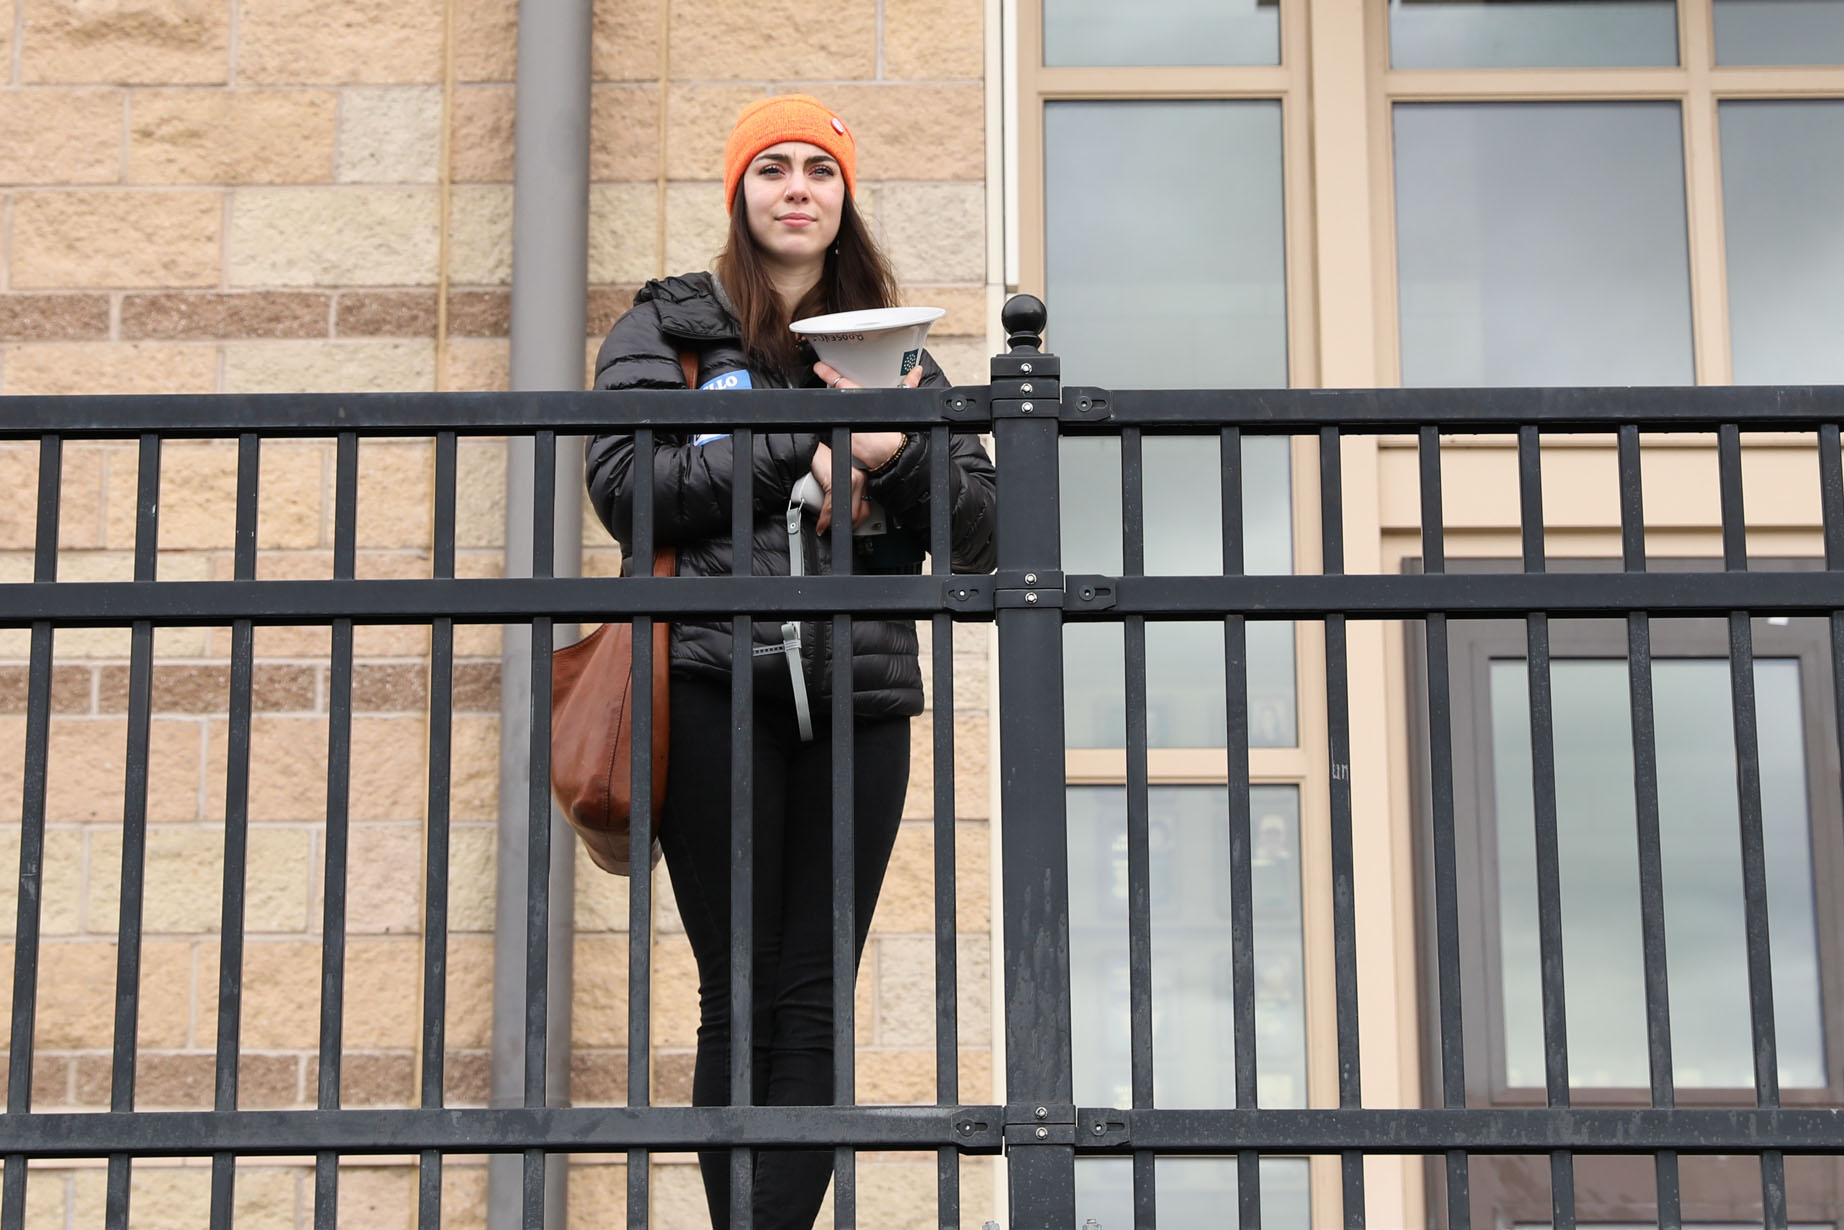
[[1042, 1168]]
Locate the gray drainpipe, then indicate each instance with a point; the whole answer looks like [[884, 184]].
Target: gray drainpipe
[[550, 261]]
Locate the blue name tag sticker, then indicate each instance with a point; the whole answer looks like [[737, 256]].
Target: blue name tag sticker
[[738, 379]]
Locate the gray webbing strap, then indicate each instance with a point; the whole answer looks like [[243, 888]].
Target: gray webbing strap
[[790, 630]]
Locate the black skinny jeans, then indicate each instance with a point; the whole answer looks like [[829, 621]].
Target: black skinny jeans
[[792, 982]]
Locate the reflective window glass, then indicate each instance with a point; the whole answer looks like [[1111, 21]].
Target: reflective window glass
[[1184, 536], [1532, 33], [1192, 1191], [1542, 244], [1193, 994], [1780, 31], [1705, 928], [1782, 201], [1164, 250], [1161, 32]]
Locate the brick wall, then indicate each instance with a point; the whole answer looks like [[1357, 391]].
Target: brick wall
[[256, 196]]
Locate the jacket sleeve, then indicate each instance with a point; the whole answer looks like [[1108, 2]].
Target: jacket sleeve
[[904, 488], [692, 483]]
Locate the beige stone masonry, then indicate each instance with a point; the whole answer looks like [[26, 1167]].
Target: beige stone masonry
[[773, 40], [486, 39], [230, 136], [53, 318], [390, 135], [99, 367], [339, 41], [623, 229], [907, 904], [346, 236], [60, 136], [929, 132], [126, 42], [696, 225], [934, 232], [320, 367], [966, 308], [480, 134], [933, 38], [212, 316], [698, 118], [478, 367], [386, 313], [86, 761], [480, 236], [123, 239], [624, 130], [626, 40]]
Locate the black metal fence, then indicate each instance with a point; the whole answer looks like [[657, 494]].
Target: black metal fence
[[1040, 1128]]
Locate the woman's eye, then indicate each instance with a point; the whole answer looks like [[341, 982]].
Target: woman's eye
[[822, 169]]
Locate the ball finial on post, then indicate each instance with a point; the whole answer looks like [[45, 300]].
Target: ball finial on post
[[1024, 317]]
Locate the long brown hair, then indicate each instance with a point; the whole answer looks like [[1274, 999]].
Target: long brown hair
[[856, 276]]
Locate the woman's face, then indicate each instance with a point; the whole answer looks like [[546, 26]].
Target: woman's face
[[793, 195]]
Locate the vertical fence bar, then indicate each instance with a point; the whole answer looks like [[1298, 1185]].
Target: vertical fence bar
[[742, 841], [1139, 827], [1338, 740], [339, 775], [1034, 842], [134, 827], [641, 822], [844, 844], [1548, 850], [1241, 859], [32, 832], [1441, 800], [1831, 493], [941, 719], [1645, 810], [236, 831], [538, 821], [435, 873], [1753, 844]]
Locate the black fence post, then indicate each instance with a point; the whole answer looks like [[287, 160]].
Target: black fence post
[[1040, 1107]]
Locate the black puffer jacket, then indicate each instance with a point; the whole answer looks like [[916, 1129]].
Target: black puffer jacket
[[692, 485]]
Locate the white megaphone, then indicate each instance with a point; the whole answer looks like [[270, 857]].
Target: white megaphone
[[874, 348]]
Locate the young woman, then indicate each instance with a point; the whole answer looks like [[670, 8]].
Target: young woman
[[797, 247]]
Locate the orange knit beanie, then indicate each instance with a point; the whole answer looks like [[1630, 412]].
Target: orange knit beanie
[[789, 117]]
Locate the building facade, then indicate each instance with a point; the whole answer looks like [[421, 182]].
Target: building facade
[[202, 196]]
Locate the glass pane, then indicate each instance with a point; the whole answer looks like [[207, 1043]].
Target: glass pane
[[1183, 536], [1705, 931], [1533, 33], [1191, 1191], [1782, 196], [1147, 32], [1780, 31], [1542, 244], [1193, 1026], [1191, 240]]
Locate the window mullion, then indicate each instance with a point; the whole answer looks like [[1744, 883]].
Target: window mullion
[[1709, 298]]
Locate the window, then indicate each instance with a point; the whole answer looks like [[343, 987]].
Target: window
[[1549, 229], [1603, 981], [1160, 149]]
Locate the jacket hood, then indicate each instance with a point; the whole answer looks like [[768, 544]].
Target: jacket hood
[[691, 306]]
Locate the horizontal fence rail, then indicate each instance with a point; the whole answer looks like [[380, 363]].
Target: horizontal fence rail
[[1473, 1117]]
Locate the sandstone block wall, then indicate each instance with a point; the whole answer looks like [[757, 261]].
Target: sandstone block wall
[[258, 196]]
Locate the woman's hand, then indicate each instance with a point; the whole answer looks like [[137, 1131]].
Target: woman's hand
[[872, 449], [822, 471]]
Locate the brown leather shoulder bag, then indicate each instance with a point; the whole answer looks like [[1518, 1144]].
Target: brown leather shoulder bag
[[592, 728]]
